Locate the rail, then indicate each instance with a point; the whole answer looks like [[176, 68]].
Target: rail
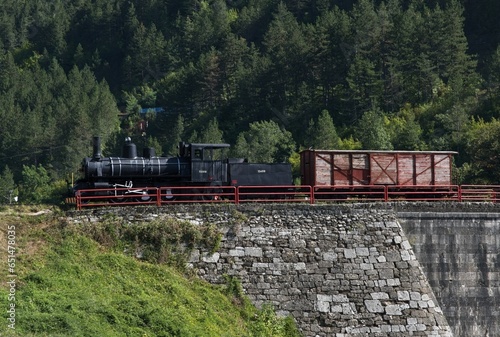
[[284, 194]]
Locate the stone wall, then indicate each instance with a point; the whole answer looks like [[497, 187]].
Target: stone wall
[[339, 270]]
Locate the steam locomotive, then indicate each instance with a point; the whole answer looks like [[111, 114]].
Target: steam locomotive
[[196, 165]]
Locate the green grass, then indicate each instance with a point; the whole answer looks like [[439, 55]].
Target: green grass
[[69, 284]]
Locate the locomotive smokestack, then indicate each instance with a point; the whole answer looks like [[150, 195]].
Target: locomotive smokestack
[[129, 149], [96, 148], [148, 152]]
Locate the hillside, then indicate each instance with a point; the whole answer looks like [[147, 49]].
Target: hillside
[[269, 77], [75, 281]]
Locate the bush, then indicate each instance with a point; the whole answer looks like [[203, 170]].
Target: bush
[[37, 186]]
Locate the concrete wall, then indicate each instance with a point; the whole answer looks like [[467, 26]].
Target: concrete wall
[[459, 250]]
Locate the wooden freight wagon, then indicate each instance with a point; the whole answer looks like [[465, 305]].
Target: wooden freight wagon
[[357, 168]]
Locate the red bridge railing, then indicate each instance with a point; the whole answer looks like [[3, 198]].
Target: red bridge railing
[[480, 193], [297, 194]]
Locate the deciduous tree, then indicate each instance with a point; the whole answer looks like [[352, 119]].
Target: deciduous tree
[[265, 142]]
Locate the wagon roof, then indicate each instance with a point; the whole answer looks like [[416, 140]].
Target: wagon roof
[[380, 151]]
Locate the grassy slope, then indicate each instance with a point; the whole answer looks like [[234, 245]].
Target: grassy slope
[[70, 285]]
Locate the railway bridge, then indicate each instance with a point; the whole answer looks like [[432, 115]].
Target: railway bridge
[[377, 269]]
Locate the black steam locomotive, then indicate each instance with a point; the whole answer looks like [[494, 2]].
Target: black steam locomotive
[[196, 165]]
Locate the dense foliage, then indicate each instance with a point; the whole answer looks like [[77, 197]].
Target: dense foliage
[[74, 280], [393, 74]]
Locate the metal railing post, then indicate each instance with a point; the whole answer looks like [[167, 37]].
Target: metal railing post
[[78, 201]]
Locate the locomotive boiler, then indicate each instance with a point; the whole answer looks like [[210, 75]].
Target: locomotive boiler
[[113, 169]]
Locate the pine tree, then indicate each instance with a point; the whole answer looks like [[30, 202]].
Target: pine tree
[[7, 186], [372, 132], [209, 83], [212, 133], [332, 52], [449, 49], [322, 134], [286, 50], [176, 135]]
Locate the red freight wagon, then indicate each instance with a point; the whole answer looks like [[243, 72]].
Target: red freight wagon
[[370, 167]]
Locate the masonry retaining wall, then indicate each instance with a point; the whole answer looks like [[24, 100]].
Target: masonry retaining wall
[[339, 270]]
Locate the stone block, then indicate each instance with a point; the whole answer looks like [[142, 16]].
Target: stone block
[[423, 304], [374, 306], [323, 306], [393, 255], [348, 309], [210, 258], [362, 251], [406, 245], [299, 266], [415, 296], [253, 251], [336, 308], [330, 256], [350, 253], [393, 282], [380, 296], [403, 295], [406, 256], [366, 266], [237, 252], [412, 320], [386, 328], [386, 274], [341, 298]]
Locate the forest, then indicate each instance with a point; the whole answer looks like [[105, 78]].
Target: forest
[[268, 77]]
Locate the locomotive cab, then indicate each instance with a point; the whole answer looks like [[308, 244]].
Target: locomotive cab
[[208, 162]]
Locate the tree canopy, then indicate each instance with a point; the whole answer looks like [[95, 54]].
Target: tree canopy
[[392, 74]]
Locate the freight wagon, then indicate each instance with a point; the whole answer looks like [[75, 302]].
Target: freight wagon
[[371, 170]]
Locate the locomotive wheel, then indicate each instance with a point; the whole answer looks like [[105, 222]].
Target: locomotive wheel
[[143, 198], [207, 194], [199, 195], [170, 195], [115, 198]]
